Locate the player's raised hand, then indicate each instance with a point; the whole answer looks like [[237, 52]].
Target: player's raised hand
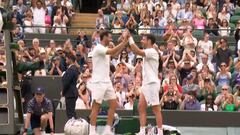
[[125, 34]]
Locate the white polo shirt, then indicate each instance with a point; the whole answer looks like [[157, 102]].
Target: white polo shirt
[[101, 64], [150, 66]]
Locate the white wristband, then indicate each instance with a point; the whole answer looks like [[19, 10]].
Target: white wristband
[[131, 41]]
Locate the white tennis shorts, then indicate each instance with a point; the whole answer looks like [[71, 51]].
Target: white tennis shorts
[[151, 93], [101, 91]]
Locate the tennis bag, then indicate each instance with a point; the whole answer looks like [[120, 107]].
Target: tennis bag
[[76, 127]]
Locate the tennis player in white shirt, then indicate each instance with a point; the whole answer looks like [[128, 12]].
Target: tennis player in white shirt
[[151, 83], [100, 84]]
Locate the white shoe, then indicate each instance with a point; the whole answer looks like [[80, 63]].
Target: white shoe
[[43, 132], [93, 133], [107, 133], [139, 133]]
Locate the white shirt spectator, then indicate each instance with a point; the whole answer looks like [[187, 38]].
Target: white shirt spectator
[[207, 48], [144, 30], [170, 14], [203, 107], [38, 16], [101, 69], [224, 31]]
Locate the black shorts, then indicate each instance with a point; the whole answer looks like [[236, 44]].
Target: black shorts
[[35, 121]]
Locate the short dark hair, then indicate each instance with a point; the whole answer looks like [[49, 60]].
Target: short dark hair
[[151, 37], [103, 34], [71, 57]]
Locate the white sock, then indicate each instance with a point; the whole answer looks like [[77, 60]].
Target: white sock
[[142, 129], [108, 128], [160, 131], [92, 129]]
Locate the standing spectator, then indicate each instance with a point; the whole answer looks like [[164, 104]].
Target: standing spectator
[[173, 84], [21, 7], [109, 6], [70, 91], [223, 54], [199, 22], [51, 49], [102, 21], [176, 6], [205, 47], [207, 89], [170, 13], [28, 21], [171, 100], [185, 13], [48, 20], [39, 17], [39, 112], [224, 29]]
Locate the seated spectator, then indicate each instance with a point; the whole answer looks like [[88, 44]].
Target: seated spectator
[[186, 65], [190, 86], [55, 68], [189, 42], [102, 20], [171, 100], [51, 49], [117, 24], [224, 29], [224, 14], [211, 11], [176, 6], [222, 97], [83, 101], [17, 15], [205, 62], [223, 77], [209, 104], [229, 104], [170, 30], [199, 21], [170, 13], [185, 13], [160, 4], [131, 25], [145, 28], [60, 21], [67, 4], [161, 20], [237, 98], [205, 47], [39, 17], [156, 28], [121, 95], [207, 89], [36, 47], [170, 51], [82, 40], [49, 5], [109, 6], [230, 6], [173, 84], [190, 102], [223, 54], [212, 27], [170, 65]]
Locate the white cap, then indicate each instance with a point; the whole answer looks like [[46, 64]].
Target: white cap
[[42, 51], [59, 49], [139, 57]]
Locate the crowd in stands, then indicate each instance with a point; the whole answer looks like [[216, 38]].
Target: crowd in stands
[[195, 74], [37, 16]]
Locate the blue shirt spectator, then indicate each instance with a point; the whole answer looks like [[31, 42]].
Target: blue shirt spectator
[[185, 13]]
